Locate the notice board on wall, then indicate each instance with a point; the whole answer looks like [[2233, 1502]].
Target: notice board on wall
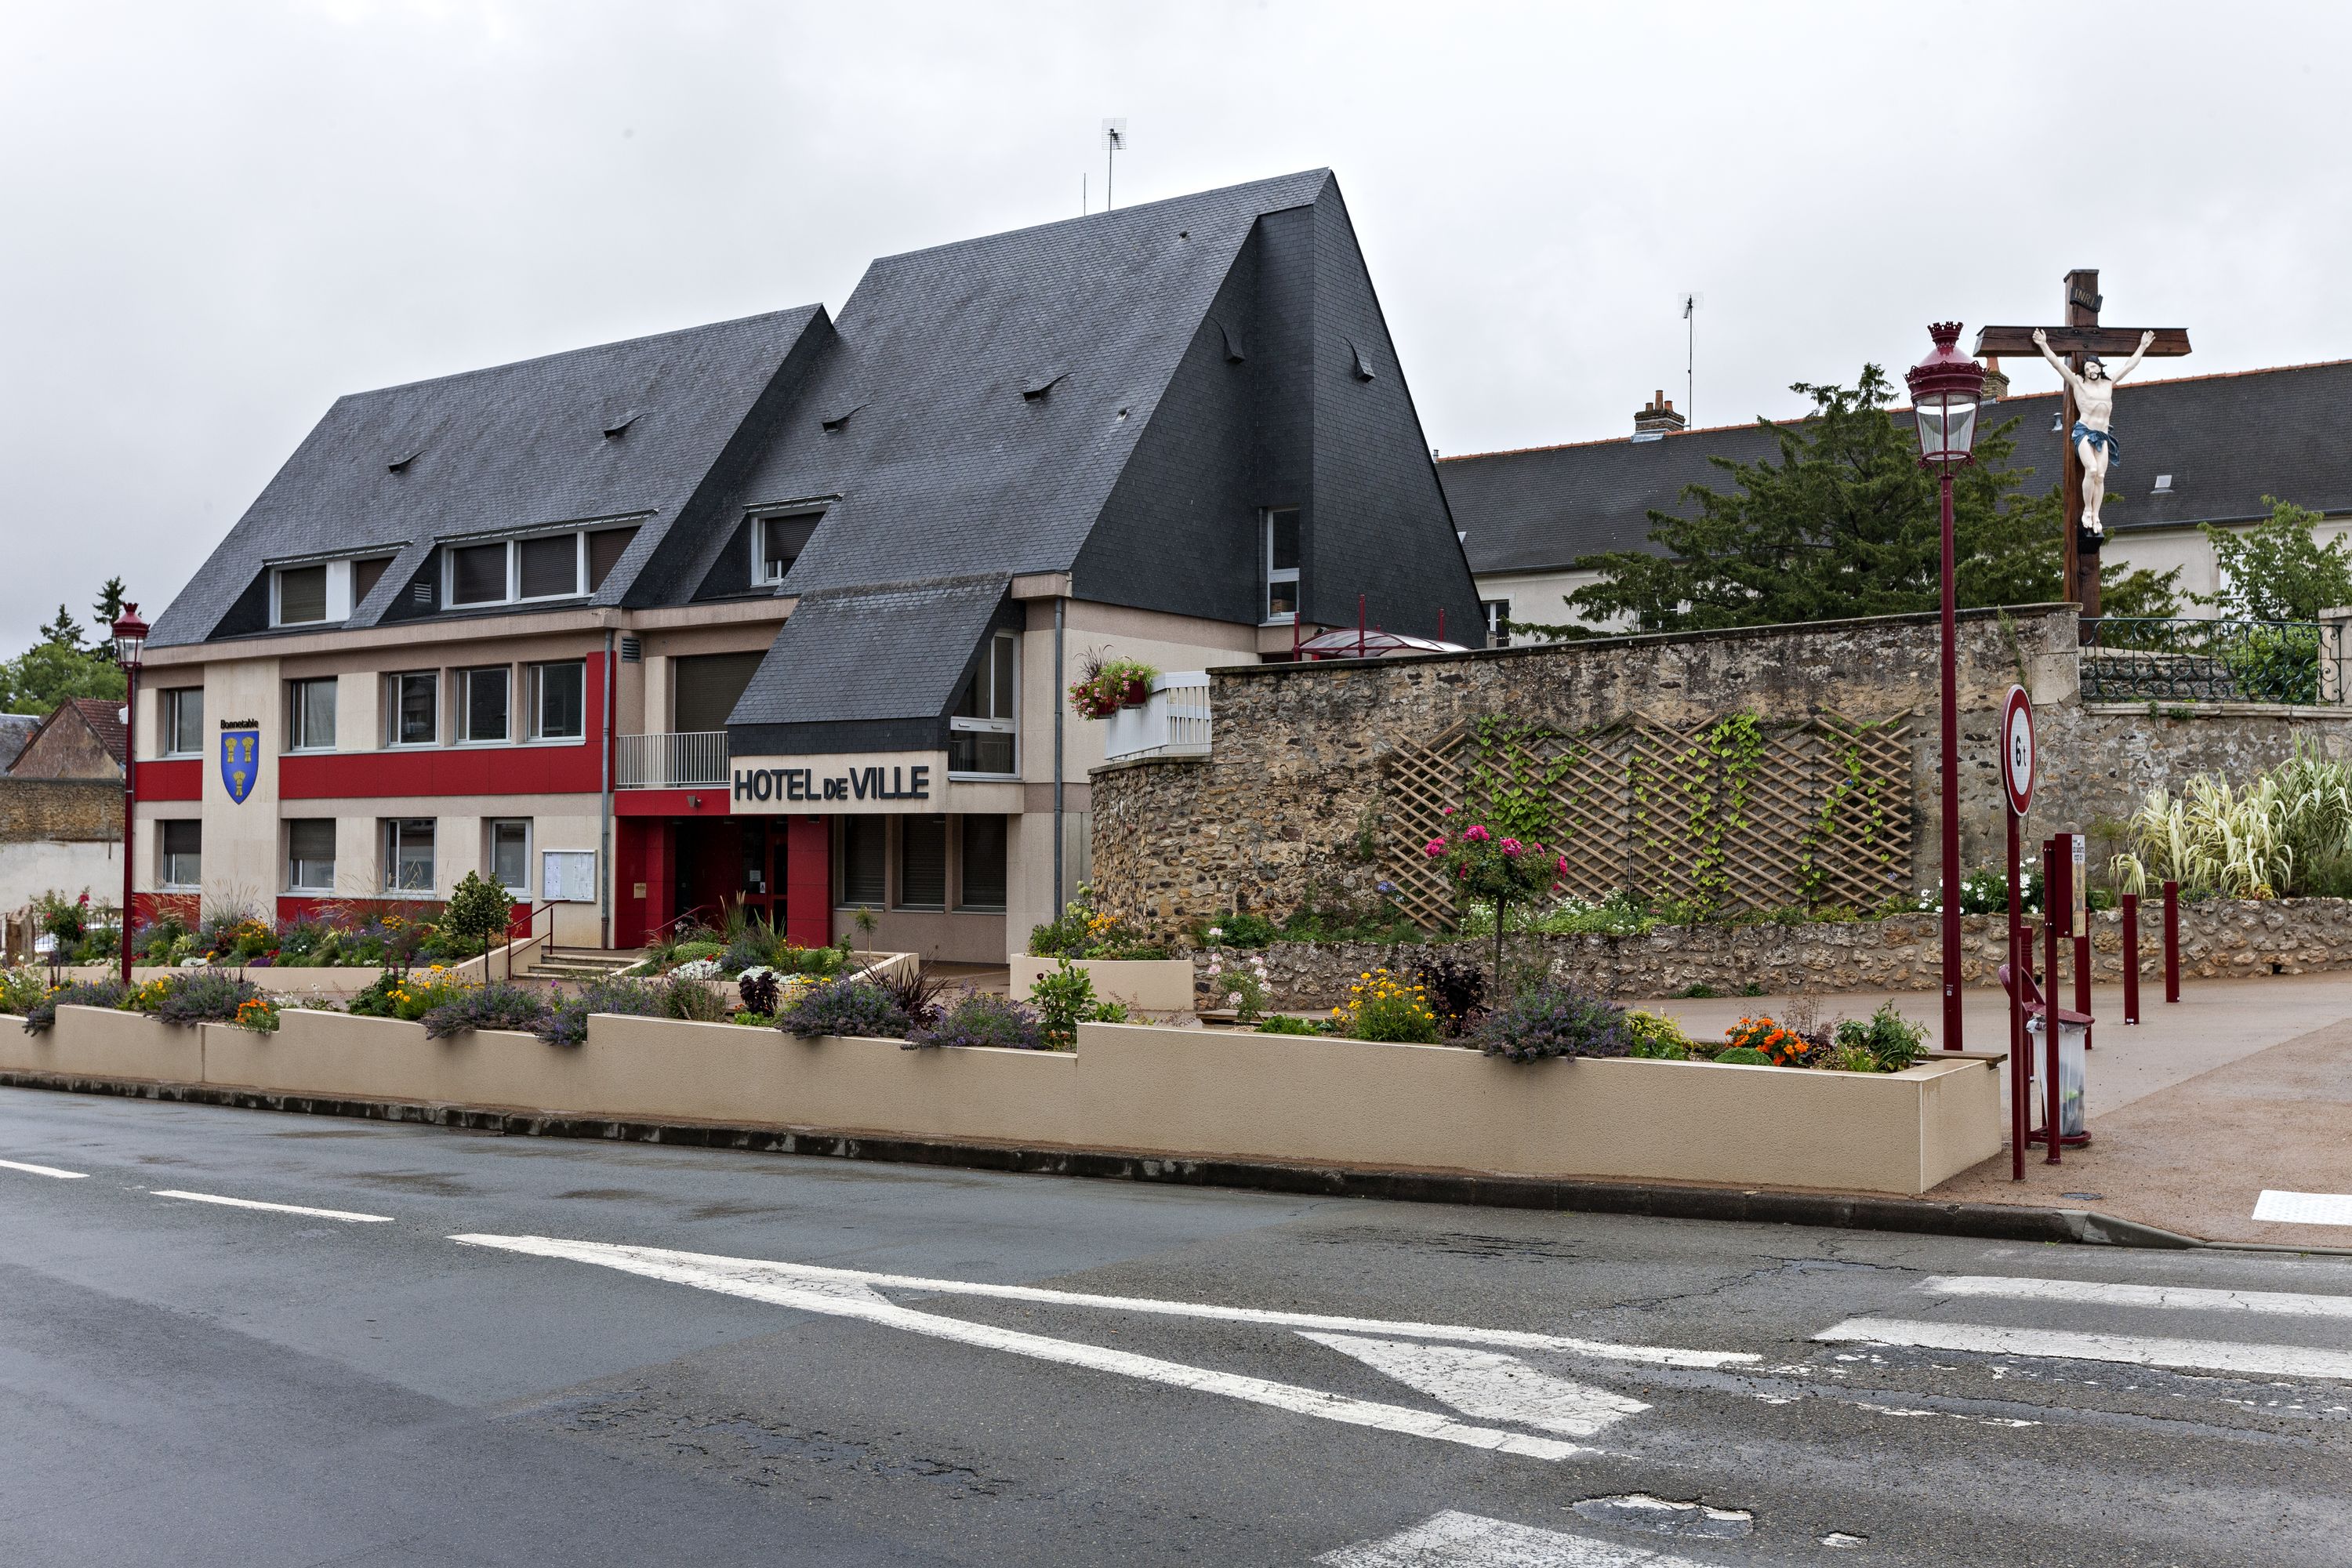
[[568, 876]]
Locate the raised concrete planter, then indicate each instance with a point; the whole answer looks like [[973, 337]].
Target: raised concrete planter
[[1148, 984], [1140, 1089]]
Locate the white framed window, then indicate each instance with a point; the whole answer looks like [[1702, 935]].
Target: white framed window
[[411, 708], [408, 855], [982, 730], [777, 542], [514, 570], [1497, 614], [507, 851], [482, 704], [310, 855], [299, 595], [311, 714], [558, 701], [181, 854], [183, 715], [1280, 555]]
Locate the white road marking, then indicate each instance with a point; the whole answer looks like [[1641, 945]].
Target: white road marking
[[2305, 1208], [344, 1214], [2206, 1355], [1508, 1339], [1489, 1384], [2278, 1303], [1454, 1540], [44, 1170], [788, 1285]]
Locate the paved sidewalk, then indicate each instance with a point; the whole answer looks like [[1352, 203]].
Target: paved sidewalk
[[2243, 1086]]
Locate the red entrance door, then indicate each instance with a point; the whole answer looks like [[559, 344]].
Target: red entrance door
[[765, 854]]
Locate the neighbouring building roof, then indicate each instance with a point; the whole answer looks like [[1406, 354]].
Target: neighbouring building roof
[[16, 729], [2226, 441], [82, 738]]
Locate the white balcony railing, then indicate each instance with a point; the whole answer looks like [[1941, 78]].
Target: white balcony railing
[[692, 760], [1173, 723]]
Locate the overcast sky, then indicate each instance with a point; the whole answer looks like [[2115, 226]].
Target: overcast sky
[[215, 217]]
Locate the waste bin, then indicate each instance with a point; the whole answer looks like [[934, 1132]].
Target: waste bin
[[2071, 1058]]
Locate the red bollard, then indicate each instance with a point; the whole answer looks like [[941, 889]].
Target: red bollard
[[2131, 958], [2172, 942], [2083, 977]]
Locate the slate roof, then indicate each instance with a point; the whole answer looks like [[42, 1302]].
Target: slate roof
[[500, 448], [16, 729], [865, 655], [2227, 440]]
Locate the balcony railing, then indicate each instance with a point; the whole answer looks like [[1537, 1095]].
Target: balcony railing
[[689, 759], [2202, 661], [1173, 723]]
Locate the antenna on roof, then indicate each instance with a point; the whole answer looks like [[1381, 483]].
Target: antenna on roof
[[1114, 144], [1691, 302], [1082, 192]]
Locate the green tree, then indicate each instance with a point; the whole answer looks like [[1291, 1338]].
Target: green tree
[[1842, 521], [479, 909], [64, 631], [48, 673], [2278, 570], [108, 608]]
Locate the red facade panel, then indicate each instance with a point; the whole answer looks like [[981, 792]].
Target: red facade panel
[[181, 780]]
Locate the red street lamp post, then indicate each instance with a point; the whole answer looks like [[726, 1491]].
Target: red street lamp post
[[1946, 387], [129, 644]]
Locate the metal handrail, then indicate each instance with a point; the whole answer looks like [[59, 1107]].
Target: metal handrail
[[680, 759], [530, 922]]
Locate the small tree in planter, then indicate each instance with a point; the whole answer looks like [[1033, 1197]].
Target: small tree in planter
[[477, 911], [1495, 868]]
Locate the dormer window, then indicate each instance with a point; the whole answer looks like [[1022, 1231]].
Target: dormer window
[[777, 542], [981, 729], [525, 570], [301, 595], [322, 593]]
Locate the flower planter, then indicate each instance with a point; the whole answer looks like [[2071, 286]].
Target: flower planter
[[1147, 984]]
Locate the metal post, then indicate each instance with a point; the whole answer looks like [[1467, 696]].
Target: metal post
[[2131, 958], [1951, 772], [130, 802], [2082, 976], [2017, 968], [608, 876], [2172, 942], [1061, 707], [2057, 919]]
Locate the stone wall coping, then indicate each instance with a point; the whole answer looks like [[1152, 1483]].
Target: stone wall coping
[[2161, 710]]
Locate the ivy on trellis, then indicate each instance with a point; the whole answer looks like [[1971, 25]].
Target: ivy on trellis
[[1726, 813]]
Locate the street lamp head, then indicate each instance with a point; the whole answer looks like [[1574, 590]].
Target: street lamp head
[[129, 638], [1945, 388]]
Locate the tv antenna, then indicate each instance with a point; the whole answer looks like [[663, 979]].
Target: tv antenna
[[1114, 141], [1690, 303]]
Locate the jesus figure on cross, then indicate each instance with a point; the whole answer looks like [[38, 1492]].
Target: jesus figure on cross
[[2094, 411]]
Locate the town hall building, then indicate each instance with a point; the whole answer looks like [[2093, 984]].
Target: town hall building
[[784, 611]]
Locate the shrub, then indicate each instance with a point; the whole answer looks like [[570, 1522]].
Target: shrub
[[699, 948], [980, 1018], [497, 1006], [479, 909], [1083, 931], [1552, 1019], [1382, 1007], [1658, 1037], [1456, 993], [566, 1022], [697, 969], [42, 1014], [761, 988], [21, 990], [1283, 1023], [1890, 1041], [1239, 930], [1743, 1056], [857, 1007], [1775, 1042], [1240, 983], [1064, 998], [406, 993], [753, 947], [692, 998], [204, 996], [156, 939]]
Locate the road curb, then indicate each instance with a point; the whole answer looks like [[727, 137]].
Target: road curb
[[1992, 1222]]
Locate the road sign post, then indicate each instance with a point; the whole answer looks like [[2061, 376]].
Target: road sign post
[[2017, 790]]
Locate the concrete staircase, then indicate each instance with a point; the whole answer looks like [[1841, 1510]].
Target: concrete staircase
[[577, 966]]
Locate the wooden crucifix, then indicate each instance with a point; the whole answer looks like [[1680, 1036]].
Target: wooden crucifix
[[2081, 341]]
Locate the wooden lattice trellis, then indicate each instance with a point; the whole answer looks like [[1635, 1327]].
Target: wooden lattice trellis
[[1825, 809]]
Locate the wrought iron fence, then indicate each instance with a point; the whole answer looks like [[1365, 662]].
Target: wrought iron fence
[[2131, 661]]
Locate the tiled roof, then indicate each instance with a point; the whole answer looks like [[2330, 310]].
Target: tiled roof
[[104, 717]]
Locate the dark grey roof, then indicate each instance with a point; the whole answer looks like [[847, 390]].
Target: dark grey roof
[[506, 447], [866, 658], [946, 469], [16, 729], [2227, 440]]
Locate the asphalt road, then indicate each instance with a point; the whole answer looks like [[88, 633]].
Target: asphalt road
[[640, 1354]]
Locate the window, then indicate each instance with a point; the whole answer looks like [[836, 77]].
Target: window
[[777, 542], [1495, 613], [559, 701], [183, 853], [604, 552], [518, 569], [1282, 564], [310, 855], [923, 863], [863, 854], [413, 715], [184, 722], [310, 715], [301, 595], [705, 688], [408, 855], [365, 575], [482, 703], [983, 864], [509, 856], [980, 729]]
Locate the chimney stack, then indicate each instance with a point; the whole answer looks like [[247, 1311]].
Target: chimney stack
[[1996, 380], [1658, 419]]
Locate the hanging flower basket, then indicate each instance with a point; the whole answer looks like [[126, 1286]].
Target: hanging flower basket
[[1117, 683], [1136, 692]]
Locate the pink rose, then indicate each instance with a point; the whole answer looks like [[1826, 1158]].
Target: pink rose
[[1433, 848], [1510, 847], [1445, 811], [1476, 833], [1563, 871]]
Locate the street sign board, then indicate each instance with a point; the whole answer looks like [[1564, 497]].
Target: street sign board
[[2017, 749]]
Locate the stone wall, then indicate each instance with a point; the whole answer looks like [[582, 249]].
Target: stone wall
[[1291, 801], [2219, 939], [60, 810]]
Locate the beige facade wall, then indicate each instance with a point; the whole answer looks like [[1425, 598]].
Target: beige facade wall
[[1542, 597], [1185, 1093], [42, 866], [241, 838]]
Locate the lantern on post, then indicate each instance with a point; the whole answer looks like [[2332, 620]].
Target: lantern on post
[[129, 635], [1946, 390]]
